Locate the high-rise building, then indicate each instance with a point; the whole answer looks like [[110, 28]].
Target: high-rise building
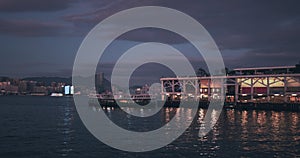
[[69, 90], [23, 87], [99, 79]]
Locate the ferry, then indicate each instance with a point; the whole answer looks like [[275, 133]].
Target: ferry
[[56, 95]]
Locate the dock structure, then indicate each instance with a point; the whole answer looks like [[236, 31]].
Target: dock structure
[[248, 85]]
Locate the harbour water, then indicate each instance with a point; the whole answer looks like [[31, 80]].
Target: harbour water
[[50, 127]]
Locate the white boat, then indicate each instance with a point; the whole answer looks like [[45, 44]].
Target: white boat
[[56, 95]]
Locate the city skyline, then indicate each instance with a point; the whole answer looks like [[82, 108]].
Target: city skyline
[[149, 78]]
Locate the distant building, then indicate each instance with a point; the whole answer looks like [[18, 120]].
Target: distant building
[[3, 85], [39, 90], [31, 85], [69, 90], [23, 87], [99, 79], [7, 88], [99, 82], [142, 90]]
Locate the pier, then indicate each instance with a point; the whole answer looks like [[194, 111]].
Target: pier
[[272, 87]]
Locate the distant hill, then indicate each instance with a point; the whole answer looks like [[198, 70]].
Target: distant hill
[[4, 79], [48, 80]]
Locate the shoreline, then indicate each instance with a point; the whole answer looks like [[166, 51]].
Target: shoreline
[[205, 104]]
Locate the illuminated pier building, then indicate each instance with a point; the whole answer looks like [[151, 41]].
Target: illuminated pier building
[[247, 85]]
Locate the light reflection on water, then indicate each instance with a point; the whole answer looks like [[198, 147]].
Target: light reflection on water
[[243, 133], [50, 127], [66, 129]]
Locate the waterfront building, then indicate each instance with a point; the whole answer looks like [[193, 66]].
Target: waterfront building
[[256, 85], [7, 88], [39, 91]]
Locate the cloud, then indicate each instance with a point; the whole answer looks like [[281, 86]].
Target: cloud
[[34, 5], [233, 24], [269, 56], [30, 28], [103, 9], [249, 33], [256, 33], [100, 10]]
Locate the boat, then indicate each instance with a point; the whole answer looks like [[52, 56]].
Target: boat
[[56, 95]]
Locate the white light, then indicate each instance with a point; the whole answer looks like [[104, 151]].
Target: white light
[[72, 90], [294, 95], [178, 93], [67, 90], [276, 95], [244, 95], [260, 94]]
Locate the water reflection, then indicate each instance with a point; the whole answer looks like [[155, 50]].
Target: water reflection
[[230, 116], [294, 127], [167, 115], [65, 127], [53, 129], [275, 121], [236, 133]]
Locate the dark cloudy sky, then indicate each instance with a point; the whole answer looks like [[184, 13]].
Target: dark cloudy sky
[[41, 37]]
